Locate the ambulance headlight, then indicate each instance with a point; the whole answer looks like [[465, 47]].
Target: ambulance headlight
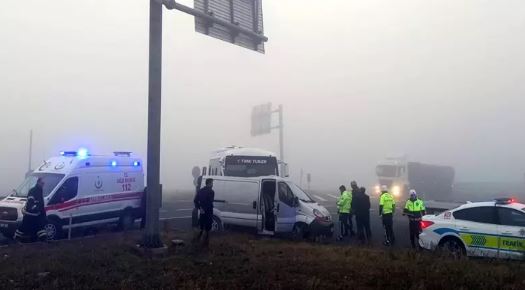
[[396, 190]]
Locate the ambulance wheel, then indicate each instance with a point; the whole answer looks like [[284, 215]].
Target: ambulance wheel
[[126, 220], [53, 229], [452, 247], [216, 225]]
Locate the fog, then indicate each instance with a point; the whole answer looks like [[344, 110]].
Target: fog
[[441, 81]]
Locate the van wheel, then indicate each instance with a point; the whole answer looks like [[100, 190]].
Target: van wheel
[[453, 248], [299, 231], [126, 221], [53, 229], [216, 225]]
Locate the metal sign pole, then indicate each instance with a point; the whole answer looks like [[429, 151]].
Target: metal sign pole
[[153, 192], [281, 136]]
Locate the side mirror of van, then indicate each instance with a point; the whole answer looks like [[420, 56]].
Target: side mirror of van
[[296, 201]]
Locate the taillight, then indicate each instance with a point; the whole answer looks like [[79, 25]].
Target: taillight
[[425, 224]]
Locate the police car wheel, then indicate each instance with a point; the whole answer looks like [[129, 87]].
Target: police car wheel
[[216, 225], [53, 230], [453, 248]]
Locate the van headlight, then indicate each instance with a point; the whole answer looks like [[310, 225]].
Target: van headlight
[[396, 190], [318, 214]]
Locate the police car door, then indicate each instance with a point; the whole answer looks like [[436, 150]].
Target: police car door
[[512, 233], [477, 227]]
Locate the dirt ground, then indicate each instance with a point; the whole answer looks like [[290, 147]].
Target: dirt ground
[[238, 261]]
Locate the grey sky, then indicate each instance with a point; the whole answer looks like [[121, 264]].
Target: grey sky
[[441, 81]]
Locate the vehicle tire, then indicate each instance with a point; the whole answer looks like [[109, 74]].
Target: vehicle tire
[[452, 247], [216, 225], [54, 230], [127, 220], [299, 231]]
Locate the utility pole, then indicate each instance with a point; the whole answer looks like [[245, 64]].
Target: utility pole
[[216, 24], [153, 191], [281, 134], [30, 159]]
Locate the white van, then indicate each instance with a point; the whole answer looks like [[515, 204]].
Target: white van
[[269, 204], [81, 190]]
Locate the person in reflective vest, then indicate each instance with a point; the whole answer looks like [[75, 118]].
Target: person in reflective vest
[[415, 210], [34, 220], [387, 208], [343, 209]]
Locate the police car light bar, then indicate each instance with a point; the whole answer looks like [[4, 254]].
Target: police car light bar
[[506, 200], [122, 153]]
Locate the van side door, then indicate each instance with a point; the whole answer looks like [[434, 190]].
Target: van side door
[[241, 202], [286, 210]]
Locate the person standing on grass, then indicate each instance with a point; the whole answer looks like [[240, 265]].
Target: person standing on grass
[[343, 208], [34, 219], [415, 210], [387, 208], [204, 203], [361, 210]]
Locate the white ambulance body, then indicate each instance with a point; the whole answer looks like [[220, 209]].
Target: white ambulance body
[[81, 190]]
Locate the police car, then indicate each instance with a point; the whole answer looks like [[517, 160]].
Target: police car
[[493, 229]]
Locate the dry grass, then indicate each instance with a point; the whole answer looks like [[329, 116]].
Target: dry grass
[[242, 262]]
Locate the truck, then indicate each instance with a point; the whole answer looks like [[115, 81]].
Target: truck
[[432, 182]]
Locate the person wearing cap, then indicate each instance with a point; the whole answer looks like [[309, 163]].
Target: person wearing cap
[[387, 207], [415, 210]]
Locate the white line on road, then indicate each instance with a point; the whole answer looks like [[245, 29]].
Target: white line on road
[[319, 198], [174, 218], [333, 196]]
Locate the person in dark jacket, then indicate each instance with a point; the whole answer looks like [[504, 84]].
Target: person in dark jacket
[[361, 210], [34, 220], [204, 203]]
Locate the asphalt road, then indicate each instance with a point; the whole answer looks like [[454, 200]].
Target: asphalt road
[[178, 206]]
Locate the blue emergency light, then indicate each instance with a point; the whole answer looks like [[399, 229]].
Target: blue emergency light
[[113, 163], [136, 163]]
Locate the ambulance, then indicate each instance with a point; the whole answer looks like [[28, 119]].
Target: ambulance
[[81, 190]]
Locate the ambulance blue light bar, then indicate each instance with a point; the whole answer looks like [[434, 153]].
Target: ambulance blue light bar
[[81, 153], [113, 163], [136, 163]]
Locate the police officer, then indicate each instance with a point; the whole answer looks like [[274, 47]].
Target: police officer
[[204, 202], [34, 219], [343, 208], [387, 208], [414, 209]]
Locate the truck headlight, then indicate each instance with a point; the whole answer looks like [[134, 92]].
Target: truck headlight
[[396, 190]]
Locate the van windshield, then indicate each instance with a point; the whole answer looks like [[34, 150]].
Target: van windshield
[[301, 195], [50, 182]]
